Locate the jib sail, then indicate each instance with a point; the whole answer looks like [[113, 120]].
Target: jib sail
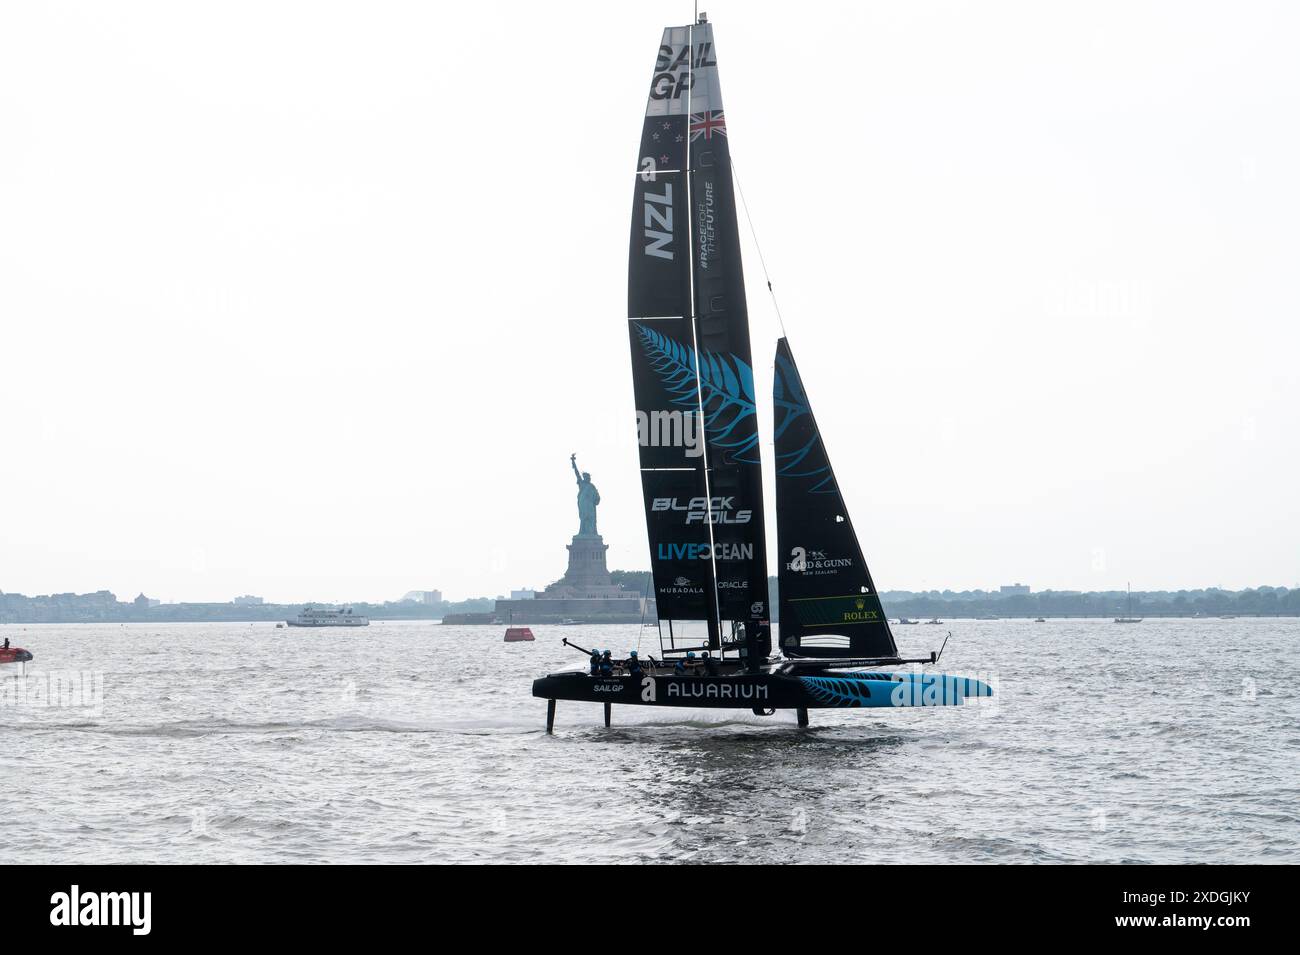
[[829, 605]]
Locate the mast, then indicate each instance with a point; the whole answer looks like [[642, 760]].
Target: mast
[[728, 401]]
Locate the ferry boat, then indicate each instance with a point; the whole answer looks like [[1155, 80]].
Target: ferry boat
[[308, 617]]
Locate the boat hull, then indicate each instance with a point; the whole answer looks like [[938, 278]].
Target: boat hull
[[823, 690], [349, 623]]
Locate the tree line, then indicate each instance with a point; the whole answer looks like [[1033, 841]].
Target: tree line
[[1205, 602]]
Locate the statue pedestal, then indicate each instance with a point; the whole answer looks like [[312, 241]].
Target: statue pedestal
[[587, 575], [584, 594]]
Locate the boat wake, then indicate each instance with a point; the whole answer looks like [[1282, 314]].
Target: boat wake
[[183, 729]]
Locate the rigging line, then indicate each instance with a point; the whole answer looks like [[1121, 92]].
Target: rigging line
[[758, 248], [645, 602]]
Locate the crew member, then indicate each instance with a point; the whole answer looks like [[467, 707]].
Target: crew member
[[606, 664], [679, 667], [595, 663], [633, 664], [710, 664]]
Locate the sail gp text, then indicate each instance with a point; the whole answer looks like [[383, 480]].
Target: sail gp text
[[673, 76]]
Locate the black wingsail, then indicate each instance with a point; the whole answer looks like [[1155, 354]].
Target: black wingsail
[[829, 605], [726, 378], [664, 362], [691, 362]]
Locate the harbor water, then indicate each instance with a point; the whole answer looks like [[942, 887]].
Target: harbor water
[[1168, 741]]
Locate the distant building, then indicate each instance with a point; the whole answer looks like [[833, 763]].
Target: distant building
[[144, 603], [423, 596], [523, 594], [1015, 590], [248, 600]]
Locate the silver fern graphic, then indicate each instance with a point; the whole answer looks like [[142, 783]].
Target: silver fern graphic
[[726, 389]]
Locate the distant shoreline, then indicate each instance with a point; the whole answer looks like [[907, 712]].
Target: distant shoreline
[[297, 630], [1207, 604], [1009, 618], [83, 610]]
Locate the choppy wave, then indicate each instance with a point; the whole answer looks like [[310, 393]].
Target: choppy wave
[[405, 748]]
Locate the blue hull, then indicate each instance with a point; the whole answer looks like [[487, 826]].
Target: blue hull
[[838, 690]]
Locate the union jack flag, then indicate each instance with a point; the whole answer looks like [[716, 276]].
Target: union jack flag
[[707, 123]]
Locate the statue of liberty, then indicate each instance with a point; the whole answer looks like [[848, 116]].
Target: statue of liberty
[[588, 498]]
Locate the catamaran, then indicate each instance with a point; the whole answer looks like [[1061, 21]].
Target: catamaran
[[692, 375]]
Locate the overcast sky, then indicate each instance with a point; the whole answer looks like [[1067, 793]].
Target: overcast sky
[[313, 300]]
